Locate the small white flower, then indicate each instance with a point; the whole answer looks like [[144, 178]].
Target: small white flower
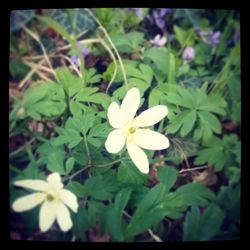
[[159, 41], [132, 130], [53, 198]]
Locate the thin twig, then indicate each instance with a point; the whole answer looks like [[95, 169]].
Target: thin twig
[[192, 169], [36, 37], [154, 236], [29, 75]]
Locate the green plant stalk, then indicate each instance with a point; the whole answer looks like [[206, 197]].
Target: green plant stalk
[[118, 56], [114, 60], [112, 45]]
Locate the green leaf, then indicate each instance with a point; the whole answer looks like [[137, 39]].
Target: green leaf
[[56, 26], [127, 43], [69, 164], [195, 194], [203, 227], [70, 82], [188, 123], [101, 187], [174, 205], [45, 99], [148, 213], [158, 57], [114, 214], [154, 97], [167, 176], [171, 68], [100, 130], [128, 173], [78, 189], [80, 223], [146, 73], [19, 18], [182, 36], [184, 121], [191, 225], [96, 213], [210, 121], [75, 21], [223, 152], [52, 156], [92, 77]]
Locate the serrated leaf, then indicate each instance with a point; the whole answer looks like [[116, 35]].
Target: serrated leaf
[[203, 227], [128, 173], [149, 212], [195, 194], [102, 187], [78, 189]]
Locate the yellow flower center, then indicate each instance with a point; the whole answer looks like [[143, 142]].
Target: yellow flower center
[[50, 197], [132, 130]]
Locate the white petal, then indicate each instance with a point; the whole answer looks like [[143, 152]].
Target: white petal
[[114, 115], [130, 105], [63, 218], [115, 141], [157, 38], [162, 41], [54, 180], [138, 157], [37, 185], [47, 214], [28, 202], [150, 139], [150, 116], [69, 199]]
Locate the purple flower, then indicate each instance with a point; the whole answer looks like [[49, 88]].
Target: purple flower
[[158, 16], [209, 37], [158, 41], [75, 59], [188, 54], [215, 38]]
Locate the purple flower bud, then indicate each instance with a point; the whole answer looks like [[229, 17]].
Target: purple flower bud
[[188, 54]]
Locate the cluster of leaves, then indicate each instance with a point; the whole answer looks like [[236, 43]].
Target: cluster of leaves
[[114, 197]]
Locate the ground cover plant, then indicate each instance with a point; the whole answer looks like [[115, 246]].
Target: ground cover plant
[[124, 124]]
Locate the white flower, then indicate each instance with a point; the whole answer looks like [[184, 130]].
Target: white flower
[[53, 198], [158, 41], [132, 130]]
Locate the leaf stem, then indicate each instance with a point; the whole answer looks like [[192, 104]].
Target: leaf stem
[[87, 149]]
